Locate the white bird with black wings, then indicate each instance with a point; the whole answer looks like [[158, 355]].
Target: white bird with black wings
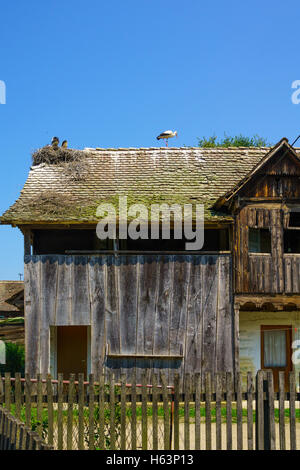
[[166, 135]]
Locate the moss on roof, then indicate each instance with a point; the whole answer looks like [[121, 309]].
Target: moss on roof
[[145, 176]]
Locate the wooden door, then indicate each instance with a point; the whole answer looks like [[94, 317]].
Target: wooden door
[[276, 350], [72, 350]]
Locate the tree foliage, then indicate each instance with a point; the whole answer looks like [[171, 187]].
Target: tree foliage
[[15, 359], [235, 141]]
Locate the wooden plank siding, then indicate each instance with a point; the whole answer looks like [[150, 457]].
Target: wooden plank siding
[[141, 305], [264, 273]]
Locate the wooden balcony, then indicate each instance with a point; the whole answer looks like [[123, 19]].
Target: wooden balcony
[[270, 276]]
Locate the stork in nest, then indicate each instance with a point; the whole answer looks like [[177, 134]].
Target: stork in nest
[[167, 135]]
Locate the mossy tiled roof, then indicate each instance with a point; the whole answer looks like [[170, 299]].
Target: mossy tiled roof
[[54, 193]]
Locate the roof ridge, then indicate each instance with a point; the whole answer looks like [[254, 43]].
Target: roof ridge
[[114, 149]]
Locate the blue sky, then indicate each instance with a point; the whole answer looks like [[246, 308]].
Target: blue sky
[[115, 74]]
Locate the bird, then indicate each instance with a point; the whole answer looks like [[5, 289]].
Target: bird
[[64, 144], [55, 142], [166, 135]]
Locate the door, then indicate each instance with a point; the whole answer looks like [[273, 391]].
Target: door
[[72, 347], [276, 350]]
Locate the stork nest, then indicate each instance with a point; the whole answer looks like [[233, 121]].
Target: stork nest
[[74, 165], [53, 156]]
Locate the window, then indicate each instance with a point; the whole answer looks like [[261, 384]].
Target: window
[[259, 240], [291, 241], [294, 219]]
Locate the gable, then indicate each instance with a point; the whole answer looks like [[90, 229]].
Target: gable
[[275, 177]]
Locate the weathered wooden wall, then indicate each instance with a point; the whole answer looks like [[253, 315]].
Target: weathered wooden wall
[[146, 305], [272, 273]]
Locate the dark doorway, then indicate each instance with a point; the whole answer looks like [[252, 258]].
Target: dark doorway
[[72, 350]]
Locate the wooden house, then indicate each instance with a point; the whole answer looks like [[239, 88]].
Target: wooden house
[[233, 305], [12, 311]]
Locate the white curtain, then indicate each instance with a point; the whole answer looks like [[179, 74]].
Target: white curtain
[[274, 348]]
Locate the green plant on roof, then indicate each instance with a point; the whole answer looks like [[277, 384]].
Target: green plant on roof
[[235, 141]]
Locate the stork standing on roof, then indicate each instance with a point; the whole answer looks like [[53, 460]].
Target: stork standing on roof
[[166, 135]]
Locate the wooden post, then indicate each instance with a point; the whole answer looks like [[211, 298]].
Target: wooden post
[[176, 411], [27, 400], [81, 411], [259, 422], [281, 410], [7, 390], [239, 411], [50, 409], [187, 412], [219, 387], [197, 411], [112, 411], [133, 412], [154, 412], [250, 410], [144, 412], [208, 410], [18, 394], [91, 412], [123, 412], [70, 413], [292, 384], [272, 437], [229, 410], [101, 412], [60, 443], [166, 412], [39, 405]]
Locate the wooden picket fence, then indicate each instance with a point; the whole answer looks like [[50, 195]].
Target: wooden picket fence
[[210, 412], [14, 435]]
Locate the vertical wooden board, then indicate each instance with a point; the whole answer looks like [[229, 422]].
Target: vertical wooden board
[[80, 312], [288, 275], [295, 275], [162, 313], [128, 284], [224, 328], [112, 306], [250, 410], [179, 304], [147, 293], [193, 342], [209, 303], [282, 441], [49, 266], [97, 267], [64, 291], [32, 277]]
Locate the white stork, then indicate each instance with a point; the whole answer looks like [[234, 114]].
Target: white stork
[[166, 135]]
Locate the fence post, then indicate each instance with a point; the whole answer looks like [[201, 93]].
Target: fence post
[[250, 410], [166, 412], [187, 412], [259, 421], [101, 402], [292, 386], [50, 409], [91, 412], [112, 429], [229, 386], [144, 412], [18, 394], [7, 391], [60, 391], [176, 411], [70, 412], [208, 410], [154, 412], [80, 411], [123, 412]]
